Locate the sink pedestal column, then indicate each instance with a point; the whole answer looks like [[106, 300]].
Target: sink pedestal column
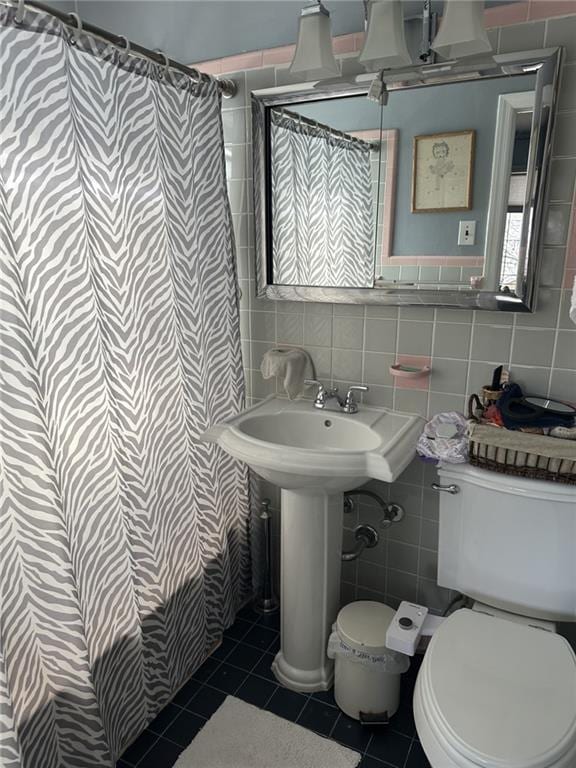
[[311, 546]]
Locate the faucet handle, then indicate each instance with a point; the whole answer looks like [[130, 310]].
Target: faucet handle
[[350, 404], [321, 393]]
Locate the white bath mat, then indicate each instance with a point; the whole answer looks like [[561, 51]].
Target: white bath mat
[[239, 735]]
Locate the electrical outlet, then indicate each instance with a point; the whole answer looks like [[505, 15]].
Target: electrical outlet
[[467, 233]]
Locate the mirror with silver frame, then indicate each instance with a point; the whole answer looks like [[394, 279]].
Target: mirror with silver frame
[[434, 198]]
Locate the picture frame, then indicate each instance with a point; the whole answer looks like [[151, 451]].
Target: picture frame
[[443, 171]]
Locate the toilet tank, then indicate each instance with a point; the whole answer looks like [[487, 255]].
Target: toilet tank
[[509, 542]]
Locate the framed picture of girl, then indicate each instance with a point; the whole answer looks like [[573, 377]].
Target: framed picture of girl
[[442, 172]]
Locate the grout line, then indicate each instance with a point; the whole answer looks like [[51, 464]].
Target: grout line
[[147, 751]]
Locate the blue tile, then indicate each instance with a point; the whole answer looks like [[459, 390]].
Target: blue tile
[[256, 691], [224, 649], [206, 701], [403, 720], [187, 692], [227, 678], [162, 755], [238, 630], [183, 729], [164, 718], [271, 621], [261, 637], [138, 749], [287, 704], [326, 697], [248, 614], [351, 733], [389, 746], [318, 717], [264, 667], [244, 656], [206, 670], [275, 647], [123, 764], [371, 762], [417, 758]]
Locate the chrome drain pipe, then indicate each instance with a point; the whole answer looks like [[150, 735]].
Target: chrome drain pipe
[[366, 537]]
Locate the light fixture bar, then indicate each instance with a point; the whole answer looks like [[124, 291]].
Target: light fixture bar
[[462, 31], [385, 42], [313, 57]]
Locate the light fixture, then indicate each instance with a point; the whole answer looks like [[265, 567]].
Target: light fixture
[[384, 44], [462, 32], [313, 57]]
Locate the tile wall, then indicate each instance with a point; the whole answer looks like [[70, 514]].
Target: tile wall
[[357, 344]]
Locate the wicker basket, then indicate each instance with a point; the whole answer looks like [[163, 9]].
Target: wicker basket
[[523, 454]]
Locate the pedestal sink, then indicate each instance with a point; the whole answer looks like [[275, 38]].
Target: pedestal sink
[[314, 456]]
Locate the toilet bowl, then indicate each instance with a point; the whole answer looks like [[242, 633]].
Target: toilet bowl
[[496, 693]]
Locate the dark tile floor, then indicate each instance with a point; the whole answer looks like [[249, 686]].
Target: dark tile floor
[[241, 667]]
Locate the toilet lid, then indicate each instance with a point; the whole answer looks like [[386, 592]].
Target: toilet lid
[[500, 692]]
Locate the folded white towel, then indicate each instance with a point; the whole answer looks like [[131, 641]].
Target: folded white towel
[[573, 303], [289, 364]]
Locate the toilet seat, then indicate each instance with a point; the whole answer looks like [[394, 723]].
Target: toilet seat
[[497, 694]]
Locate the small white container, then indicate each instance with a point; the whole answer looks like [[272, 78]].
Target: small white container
[[366, 673]]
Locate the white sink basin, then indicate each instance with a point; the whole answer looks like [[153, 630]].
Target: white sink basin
[[294, 445], [314, 455]]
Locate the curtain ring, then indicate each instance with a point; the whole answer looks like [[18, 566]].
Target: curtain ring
[[19, 16], [166, 69], [78, 31], [126, 52]]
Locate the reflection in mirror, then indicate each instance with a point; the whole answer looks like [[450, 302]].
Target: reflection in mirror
[[435, 198], [324, 190], [508, 192], [447, 148]]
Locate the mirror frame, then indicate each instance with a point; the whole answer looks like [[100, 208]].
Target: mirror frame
[[548, 62]]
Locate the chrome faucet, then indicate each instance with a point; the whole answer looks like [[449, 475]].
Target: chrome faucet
[[324, 396]]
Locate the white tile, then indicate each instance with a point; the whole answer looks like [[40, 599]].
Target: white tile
[[348, 332], [533, 347], [491, 343], [452, 340], [381, 335], [347, 365], [318, 330], [414, 338]]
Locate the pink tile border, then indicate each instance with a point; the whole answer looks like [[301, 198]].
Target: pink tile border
[[417, 361], [546, 9], [501, 16], [344, 44], [391, 138], [437, 261], [274, 56], [504, 15]]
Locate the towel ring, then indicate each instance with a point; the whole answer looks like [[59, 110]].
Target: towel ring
[[126, 51], [20, 11], [78, 31]]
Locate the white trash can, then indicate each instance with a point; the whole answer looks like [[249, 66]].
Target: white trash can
[[366, 673]]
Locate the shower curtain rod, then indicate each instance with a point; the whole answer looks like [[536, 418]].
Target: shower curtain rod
[[373, 145], [228, 87]]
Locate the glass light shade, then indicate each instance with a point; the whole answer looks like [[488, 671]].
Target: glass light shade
[[385, 43], [313, 57], [462, 32]]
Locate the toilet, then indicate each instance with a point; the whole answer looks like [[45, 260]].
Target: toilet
[[497, 686]]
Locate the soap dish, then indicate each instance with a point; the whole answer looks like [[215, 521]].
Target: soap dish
[[404, 371]]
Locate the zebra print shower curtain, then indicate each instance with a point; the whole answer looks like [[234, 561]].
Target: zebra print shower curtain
[[322, 206], [123, 539]]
